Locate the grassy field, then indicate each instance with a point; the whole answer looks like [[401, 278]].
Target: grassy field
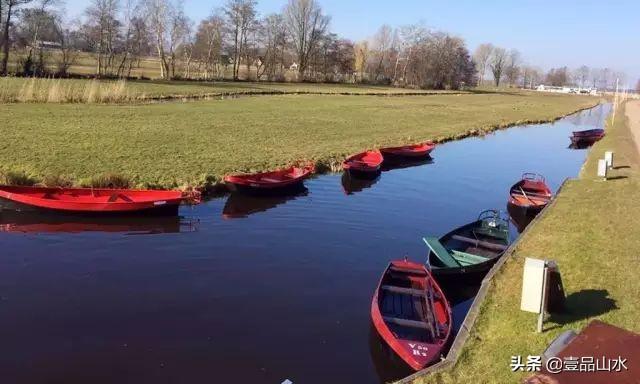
[[195, 143], [13, 89], [593, 233]]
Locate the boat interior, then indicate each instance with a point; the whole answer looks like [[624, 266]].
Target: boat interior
[[407, 308]]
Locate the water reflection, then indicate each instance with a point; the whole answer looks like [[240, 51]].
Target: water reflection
[[35, 222], [519, 217], [352, 185], [392, 164], [239, 205]]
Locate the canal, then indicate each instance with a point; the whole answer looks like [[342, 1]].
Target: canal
[[248, 290]]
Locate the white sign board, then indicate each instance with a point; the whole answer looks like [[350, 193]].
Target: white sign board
[[602, 168], [608, 158], [532, 285]]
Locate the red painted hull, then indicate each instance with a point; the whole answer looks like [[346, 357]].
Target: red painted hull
[[365, 162], [532, 194], [284, 178], [93, 201], [409, 337], [409, 151]]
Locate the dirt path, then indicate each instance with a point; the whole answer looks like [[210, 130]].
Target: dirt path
[[633, 114]]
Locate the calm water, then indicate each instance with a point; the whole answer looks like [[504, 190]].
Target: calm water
[[243, 290]]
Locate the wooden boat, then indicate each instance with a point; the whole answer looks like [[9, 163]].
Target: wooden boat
[[93, 201], [365, 164], [415, 151], [531, 193], [588, 136], [469, 251], [274, 181], [411, 313]]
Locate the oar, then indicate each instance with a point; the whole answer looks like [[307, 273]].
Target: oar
[[525, 195]]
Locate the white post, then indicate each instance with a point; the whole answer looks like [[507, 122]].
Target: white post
[[602, 168], [608, 158], [543, 304]]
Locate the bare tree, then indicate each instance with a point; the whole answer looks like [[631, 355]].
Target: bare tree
[[274, 40], [208, 44], [179, 29], [103, 26], [382, 42], [497, 64], [240, 15], [481, 58], [583, 75], [158, 12], [512, 68], [11, 7], [307, 24]]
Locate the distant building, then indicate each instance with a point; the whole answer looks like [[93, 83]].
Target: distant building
[[578, 90], [293, 67], [47, 45]]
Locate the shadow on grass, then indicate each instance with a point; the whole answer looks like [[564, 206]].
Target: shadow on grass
[[622, 167], [582, 305], [609, 178]]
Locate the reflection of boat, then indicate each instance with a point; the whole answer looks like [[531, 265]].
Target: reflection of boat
[[270, 182], [415, 151], [587, 137], [519, 217], [366, 164], [351, 185], [389, 366], [469, 251], [240, 205], [401, 164], [34, 222], [92, 200], [411, 314], [531, 194], [580, 145]]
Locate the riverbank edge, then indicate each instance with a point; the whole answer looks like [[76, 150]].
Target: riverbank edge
[[213, 185], [473, 314]]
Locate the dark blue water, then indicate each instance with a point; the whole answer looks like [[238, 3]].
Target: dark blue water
[[248, 291]]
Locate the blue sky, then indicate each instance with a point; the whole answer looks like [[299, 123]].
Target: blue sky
[[547, 33]]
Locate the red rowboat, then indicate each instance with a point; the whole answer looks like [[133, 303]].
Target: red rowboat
[[270, 181], [411, 314], [93, 201], [589, 136], [409, 151], [530, 193], [364, 164]]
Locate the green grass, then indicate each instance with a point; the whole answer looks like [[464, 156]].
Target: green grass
[[593, 232], [14, 89], [196, 143]]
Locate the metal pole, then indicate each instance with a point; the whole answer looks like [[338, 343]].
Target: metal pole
[[543, 305]]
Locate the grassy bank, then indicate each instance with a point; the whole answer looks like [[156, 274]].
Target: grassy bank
[[593, 233], [16, 89], [177, 144]]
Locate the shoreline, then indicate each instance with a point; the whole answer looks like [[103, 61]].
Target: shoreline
[[214, 186]]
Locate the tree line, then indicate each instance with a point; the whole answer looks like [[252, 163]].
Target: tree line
[[498, 66], [234, 41]]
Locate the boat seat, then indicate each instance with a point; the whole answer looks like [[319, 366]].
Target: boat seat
[[468, 258], [406, 323], [409, 291], [476, 242], [532, 194], [406, 270], [116, 196], [406, 291], [270, 180], [441, 252]]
